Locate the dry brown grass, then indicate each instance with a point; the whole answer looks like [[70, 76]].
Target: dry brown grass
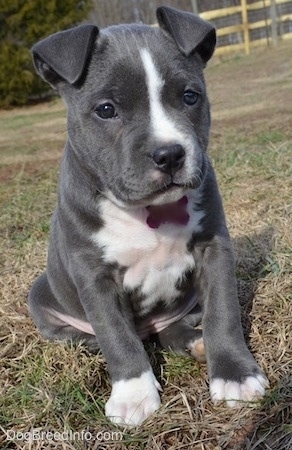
[[53, 387]]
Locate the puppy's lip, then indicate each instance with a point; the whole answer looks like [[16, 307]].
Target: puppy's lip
[[168, 187], [168, 194]]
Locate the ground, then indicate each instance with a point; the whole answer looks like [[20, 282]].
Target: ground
[[54, 388]]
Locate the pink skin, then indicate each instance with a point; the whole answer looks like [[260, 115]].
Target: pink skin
[[168, 213], [151, 326]]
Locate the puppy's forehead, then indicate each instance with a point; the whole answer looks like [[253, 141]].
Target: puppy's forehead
[[126, 41], [128, 59], [118, 56]]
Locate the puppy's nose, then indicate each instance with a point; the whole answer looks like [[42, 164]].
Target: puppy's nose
[[169, 158]]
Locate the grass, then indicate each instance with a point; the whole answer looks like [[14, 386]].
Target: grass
[[22, 122], [49, 387], [21, 131]]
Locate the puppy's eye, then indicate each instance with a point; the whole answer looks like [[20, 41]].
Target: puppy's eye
[[190, 97], [106, 111]]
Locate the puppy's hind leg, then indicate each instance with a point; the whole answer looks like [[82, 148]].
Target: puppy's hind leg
[[183, 338], [41, 302]]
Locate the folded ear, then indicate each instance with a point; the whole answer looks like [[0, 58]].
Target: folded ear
[[190, 32], [65, 55]]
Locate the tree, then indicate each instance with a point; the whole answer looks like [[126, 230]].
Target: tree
[[22, 23]]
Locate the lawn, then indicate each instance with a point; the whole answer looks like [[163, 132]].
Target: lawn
[[52, 396]]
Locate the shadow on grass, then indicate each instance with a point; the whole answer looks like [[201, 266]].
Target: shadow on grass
[[255, 257], [254, 261]]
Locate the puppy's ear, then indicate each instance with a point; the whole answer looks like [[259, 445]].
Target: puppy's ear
[[190, 32], [65, 55]]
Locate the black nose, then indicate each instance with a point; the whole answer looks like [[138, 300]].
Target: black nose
[[169, 158]]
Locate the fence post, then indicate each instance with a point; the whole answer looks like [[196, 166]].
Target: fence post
[[245, 26], [195, 7], [273, 13]]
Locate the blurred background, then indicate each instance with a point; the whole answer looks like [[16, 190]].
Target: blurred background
[[241, 25]]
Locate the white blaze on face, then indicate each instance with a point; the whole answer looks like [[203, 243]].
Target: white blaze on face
[[163, 128]]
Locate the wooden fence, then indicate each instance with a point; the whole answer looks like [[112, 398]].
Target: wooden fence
[[274, 24]]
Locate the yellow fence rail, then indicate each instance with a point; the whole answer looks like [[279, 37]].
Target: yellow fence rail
[[271, 21]]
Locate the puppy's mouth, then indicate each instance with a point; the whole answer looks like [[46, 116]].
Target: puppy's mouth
[[168, 213], [170, 196], [171, 192], [168, 205]]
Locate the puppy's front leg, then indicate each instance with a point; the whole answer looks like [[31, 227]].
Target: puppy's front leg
[[233, 372], [134, 394]]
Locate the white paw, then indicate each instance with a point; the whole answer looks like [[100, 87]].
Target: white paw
[[132, 401], [252, 389]]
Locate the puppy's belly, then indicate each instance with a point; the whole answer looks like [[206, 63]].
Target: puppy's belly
[[158, 323], [144, 328], [155, 263], [157, 280]]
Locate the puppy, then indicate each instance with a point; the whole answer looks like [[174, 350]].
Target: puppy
[[139, 243]]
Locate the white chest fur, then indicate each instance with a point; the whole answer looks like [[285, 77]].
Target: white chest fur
[[155, 260]]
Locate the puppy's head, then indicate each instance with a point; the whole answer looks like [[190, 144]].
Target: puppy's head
[[138, 113]]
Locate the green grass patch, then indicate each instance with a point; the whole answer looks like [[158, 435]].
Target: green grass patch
[[27, 206], [20, 121], [273, 137]]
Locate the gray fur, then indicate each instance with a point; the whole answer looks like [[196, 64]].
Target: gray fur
[[115, 156]]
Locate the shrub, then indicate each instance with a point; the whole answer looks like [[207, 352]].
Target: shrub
[[23, 23]]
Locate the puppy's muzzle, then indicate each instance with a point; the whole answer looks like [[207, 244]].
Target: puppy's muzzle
[[169, 159]]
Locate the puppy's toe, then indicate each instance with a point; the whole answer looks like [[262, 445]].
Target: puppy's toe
[[254, 387], [251, 389], [133, 401], [197, 350]]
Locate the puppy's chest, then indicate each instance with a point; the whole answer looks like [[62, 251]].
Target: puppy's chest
[[154, 261]]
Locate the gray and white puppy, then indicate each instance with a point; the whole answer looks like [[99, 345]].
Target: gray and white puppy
[[139, 244]]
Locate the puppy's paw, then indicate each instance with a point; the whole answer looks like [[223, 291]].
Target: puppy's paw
[[132, 401], [197, 349], [251, 389]]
